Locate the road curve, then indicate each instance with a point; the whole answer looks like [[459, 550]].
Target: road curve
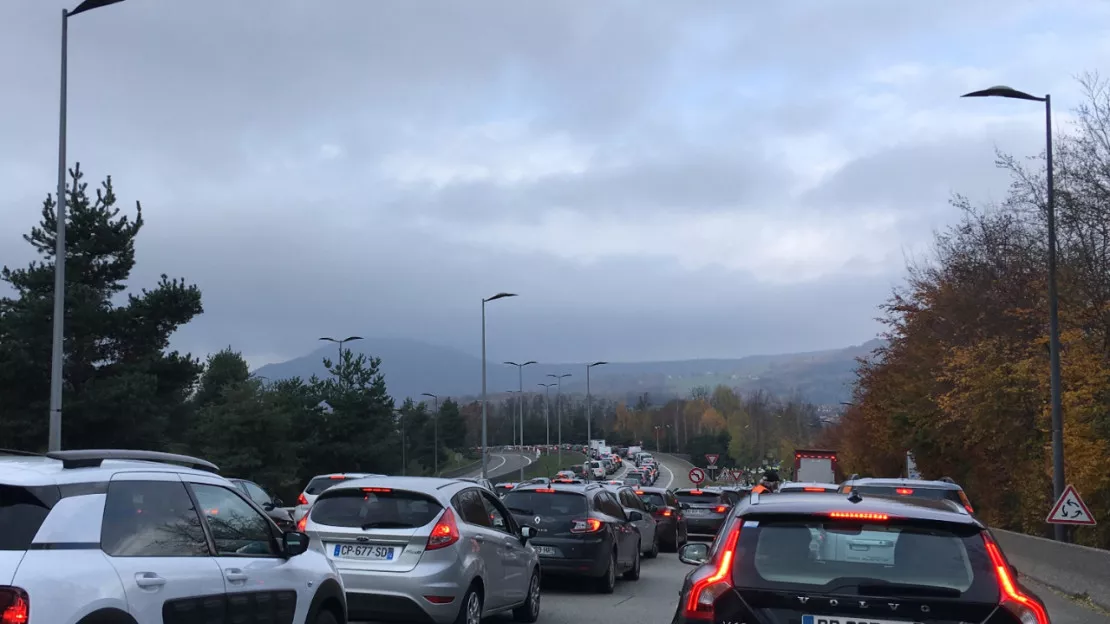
[[504, 466]]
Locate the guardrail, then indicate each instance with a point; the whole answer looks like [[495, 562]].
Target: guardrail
[[1069, 568]]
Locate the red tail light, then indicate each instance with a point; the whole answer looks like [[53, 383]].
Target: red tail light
[[639, 492], [377, 490], [721, 508], [666, 513], [337, 477], [302, 523], [705, 591], [966, 502], [588, 525], [858, 515], [301, 500], [15, 606], [903, 491], [545, 490], [813, 489], [445, 532], [1013, 599], [696, 492]]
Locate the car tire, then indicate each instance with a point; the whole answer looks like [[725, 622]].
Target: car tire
[[326, 617], [467, 608], [607, 584], [654, 552], [633, 573], [529, 612]]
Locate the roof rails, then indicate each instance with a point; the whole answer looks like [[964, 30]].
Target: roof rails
[[19, 453], [93, 458], [947, 480]]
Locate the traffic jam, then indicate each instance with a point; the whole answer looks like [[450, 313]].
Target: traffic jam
[[812, 550]]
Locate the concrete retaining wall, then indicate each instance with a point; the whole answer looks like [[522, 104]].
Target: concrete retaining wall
[[1068, 568]]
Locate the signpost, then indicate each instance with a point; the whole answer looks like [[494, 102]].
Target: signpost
[[1070, 509], [697, 475], [711, 459]]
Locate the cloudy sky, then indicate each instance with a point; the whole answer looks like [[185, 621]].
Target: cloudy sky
[[657, 179]]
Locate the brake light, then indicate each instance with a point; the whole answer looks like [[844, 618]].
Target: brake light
[[1013, 599], [377, 490], [721, 508], [337, 477], [589, 525], [813, 489], [847, 489], [858, 515], [903, 491], [545, 490], [302, 523], [666, 513], [445, 532], [704, 592], [301, 500], [696, 492], [15, 606], [966, 502], [639, 492]]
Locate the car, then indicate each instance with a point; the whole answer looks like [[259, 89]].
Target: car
[[501, 489], [647, 526], [580, 531], [270, 504], [318, 484], [705, 509], [944, 488], [426, 549], [111, 536], [811, 487], [888, 559], [670, 516], [485, 483]]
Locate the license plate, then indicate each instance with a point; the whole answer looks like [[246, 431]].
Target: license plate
[[547, 551], [698, 512], [827, 619], [365, 552]]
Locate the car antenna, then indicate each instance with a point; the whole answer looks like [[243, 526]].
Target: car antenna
[[854, 497]]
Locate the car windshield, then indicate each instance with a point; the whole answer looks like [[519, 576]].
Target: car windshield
[[379, 508], [697, 497], [653, 498], [319, 484], [880, 558], [547, 504]]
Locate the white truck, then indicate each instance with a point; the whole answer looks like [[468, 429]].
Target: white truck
[[631, 451], [595, 447], [815, 466]]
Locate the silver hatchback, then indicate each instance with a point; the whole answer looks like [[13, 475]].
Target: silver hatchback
[[422, 549]]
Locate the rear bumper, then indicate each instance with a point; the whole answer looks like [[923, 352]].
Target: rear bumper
[[400, 596], [576, 558], [704, 526]]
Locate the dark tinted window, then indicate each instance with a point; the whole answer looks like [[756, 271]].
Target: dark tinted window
[[237, 529], [151, 519], [319, 484], [256, 493], [698, 497], [21, 515], [609, 505], [471, 508], [654, 499], [380, 508], [498, 519], [915, 492], [822, 555], [547, 504]]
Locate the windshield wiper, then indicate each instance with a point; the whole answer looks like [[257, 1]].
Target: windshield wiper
[[900, 589], [388, 525]]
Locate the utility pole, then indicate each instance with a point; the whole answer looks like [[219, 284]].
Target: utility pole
[[589, 432], [559, 411], [520, 377], [435, 428], [547, 409]]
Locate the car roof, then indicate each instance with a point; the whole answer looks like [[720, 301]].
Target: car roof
[[35, 470], [439, 487], [912, 483], [817, 503], [577, 488], [809, 484]]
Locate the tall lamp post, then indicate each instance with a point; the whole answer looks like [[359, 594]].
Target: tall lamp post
[[512, 417], [435, 434], [1058, 481], [485, 418], [547, 409], [404, 456], [520, 377], [57, 351], [589, 432], [340, 343], [559, 411]]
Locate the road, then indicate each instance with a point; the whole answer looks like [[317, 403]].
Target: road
[[504, 466]]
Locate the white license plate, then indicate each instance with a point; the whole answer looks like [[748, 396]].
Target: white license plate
[[547, 551], [827, 619], [698, 512], [364, 552]]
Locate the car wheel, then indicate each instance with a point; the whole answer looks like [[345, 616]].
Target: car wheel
[[607, 584], [326, 617], [654, 552], [633, 574], [530, 611], [470, 612]]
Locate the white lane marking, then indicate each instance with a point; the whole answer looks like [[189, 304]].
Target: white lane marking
[[670, 476], [503, 459]]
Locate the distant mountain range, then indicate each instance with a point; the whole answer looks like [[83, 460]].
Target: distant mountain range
[[412, 367]]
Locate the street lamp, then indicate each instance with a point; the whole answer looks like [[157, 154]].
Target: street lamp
[[404, 458], [559, 410], [485, 420], [547, 410], [1058, 484], [54, 436], [340, 343], [512, 417], [435, 428], [589, 434], [520, 377]]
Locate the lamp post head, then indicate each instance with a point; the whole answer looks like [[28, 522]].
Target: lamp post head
[[595, 364], [89, 5], [429, 394], [1004, 92], [529, 362], [500, 295]]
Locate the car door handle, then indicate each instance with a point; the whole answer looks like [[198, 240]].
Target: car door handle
[[235, 575], [149, 579], [479, 538]]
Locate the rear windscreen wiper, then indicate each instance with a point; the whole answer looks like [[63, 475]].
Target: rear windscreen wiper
[[899, 589], [387, 525]]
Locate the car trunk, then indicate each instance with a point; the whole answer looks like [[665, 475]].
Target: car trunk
[[553, 515], [374, 529], [702, 503]]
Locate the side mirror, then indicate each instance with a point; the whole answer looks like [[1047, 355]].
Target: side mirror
[[278, 502], [635, 516], [294, 543], [269, 506], [694, 553], [526, 533], [650, 507], [684, 505]]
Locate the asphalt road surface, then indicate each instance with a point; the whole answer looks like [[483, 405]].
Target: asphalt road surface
[[504, 466]]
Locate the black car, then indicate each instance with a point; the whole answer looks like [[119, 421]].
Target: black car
[[945, 488], [812, 558], [705, 511], [670, 516], [270, 504], [580, 530]]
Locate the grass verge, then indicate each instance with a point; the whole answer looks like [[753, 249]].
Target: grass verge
[[548, 465]]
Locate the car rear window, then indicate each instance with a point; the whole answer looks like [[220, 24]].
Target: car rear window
[[916, 492], [653, 498], [547, 504], [849, 556], [319, 484], [697, 497], [375, 508], [21, 515]]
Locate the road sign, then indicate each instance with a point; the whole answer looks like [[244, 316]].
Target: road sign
[[1070, 509], [697, 475], [712, 459]]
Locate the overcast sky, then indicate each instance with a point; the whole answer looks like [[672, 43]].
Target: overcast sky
[[657, 179]]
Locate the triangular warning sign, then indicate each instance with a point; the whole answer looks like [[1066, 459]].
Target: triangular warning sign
[[1070, 509], [712, 458]]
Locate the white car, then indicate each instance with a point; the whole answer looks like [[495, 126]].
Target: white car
[[128, 536], [318, 484]]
